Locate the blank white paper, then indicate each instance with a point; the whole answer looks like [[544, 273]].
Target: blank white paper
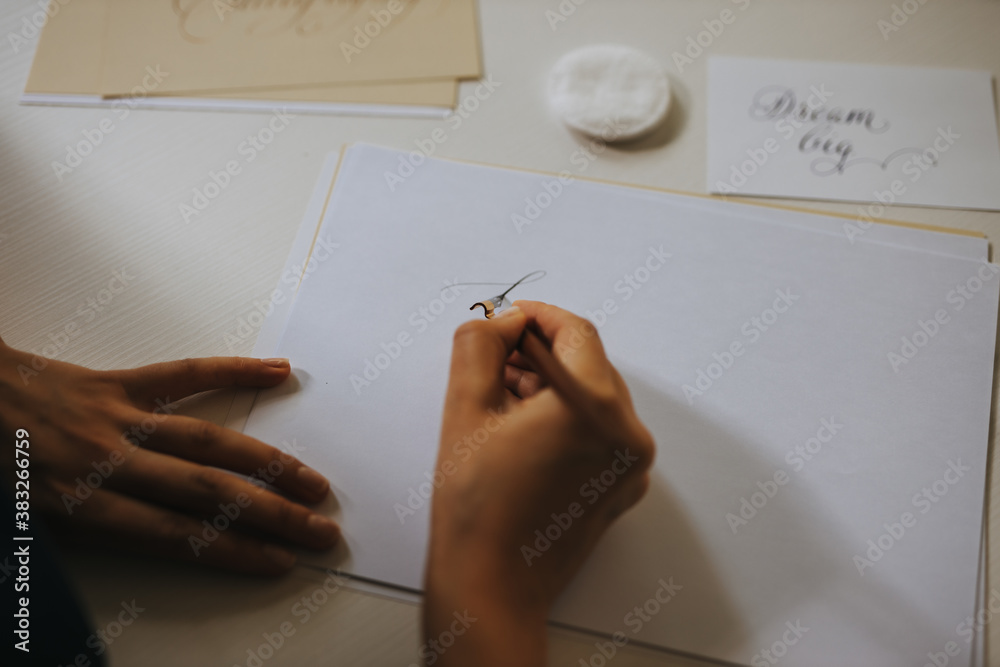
[[820, 369]]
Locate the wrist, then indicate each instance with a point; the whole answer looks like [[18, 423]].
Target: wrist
[[483, 614], [478, 629]]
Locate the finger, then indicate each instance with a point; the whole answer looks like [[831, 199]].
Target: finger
[[479, 354], [214, 493], [510, 399], [522, 383], [573, 339], [139, 526], [556, 375], [174, 380], [518, 360], [209, 444]]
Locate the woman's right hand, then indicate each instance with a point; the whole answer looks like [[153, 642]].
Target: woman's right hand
[[533, 477]]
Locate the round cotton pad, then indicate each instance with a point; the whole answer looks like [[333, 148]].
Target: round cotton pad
[[610, 91]]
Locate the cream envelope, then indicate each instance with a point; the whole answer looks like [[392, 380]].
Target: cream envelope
[[231, 44], [78, 29]]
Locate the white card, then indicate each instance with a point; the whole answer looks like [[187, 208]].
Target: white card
[[874, 134]]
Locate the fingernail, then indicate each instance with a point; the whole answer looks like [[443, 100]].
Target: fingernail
[[513, 310], [276, 363], [323, 528], [312, 480], [280, 557]]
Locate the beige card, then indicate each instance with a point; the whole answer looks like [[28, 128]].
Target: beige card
[[430, 93], [70, 51], [226, 44]]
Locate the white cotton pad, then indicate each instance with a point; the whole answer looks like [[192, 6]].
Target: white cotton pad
[[610, 91]]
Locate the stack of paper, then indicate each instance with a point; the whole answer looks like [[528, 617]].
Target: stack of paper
[[402, 57], [821, 403]]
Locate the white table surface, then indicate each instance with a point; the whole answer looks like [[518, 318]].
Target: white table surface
[[60, 242]]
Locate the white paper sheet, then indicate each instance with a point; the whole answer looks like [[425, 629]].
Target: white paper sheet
[[826, 357], [866, 133], [898, 235]]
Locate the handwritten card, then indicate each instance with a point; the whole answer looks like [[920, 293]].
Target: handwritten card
[[238, 44], [865, 133]]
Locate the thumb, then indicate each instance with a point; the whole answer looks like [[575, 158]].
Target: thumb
[[479, 355]]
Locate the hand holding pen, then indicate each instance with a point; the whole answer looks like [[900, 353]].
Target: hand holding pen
[[559, 454]]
